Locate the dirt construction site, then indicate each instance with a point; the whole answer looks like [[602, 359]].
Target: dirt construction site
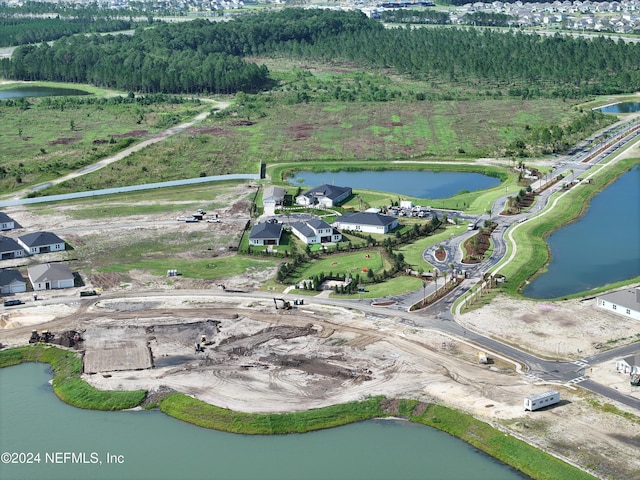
[[244, 354], [143, 331]]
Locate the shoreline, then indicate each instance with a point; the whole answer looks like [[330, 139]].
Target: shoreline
[[502, 446]]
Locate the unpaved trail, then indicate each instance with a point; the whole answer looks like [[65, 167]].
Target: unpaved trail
[[124, 153]]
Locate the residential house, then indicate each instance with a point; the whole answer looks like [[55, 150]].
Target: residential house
[[367, 222], [9, 248], [324, 196], [41, 242], [6, 222], [265, 234], [50, 276], [315, 231], [629, 365], [273, 197], [624, 302], [11, 281]]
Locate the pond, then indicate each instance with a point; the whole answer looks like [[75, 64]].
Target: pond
[[151, 445], [623, 107], [412, 183], [600, 248], [36, 91]]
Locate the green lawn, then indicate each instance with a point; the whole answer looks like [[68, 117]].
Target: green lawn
[[345, 264], [413, 252]]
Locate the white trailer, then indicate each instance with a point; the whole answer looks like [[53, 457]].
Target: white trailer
[[541, 400]]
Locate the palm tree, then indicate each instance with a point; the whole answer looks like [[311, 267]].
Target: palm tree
[[435, 279], [453, 271]]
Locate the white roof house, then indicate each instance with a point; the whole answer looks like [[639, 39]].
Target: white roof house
[[367, 222], [623, 302], [41, 242], [315, 231], [11, 281], [50, 276], [324, 196]]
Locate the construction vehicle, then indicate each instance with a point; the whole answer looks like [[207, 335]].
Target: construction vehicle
[[43, 337], [286, 304], [204, 341], [482, 358]]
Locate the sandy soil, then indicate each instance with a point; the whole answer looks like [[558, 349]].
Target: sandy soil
[[263, 360]]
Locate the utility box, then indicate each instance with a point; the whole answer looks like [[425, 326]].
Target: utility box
[[541, 400]]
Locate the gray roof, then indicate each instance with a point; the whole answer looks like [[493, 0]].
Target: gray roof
[[627, 298], [318, 223], [366, 218], [39, 239], [266, 230], [4, 218], [273, 191], [8, 244], [303, 228], [7, 277], [329, 191], [632, 359], [49, 272]]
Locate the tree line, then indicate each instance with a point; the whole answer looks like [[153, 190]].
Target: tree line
[[201, 56], [20, 31]]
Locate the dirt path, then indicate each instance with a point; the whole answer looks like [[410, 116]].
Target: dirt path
[[126, 152]]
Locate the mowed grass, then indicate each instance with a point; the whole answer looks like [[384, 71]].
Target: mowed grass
[[346, 264], [393, 286], [532, 252], [328, 131]]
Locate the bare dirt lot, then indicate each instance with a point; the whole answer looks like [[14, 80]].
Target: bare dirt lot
[[142, 332], [258, 359]]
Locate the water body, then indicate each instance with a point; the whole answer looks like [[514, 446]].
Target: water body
[[155, 446], [600, 248], [419, 184], [35, 91], [623, 107]]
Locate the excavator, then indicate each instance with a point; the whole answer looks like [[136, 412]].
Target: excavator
[[286, 304]]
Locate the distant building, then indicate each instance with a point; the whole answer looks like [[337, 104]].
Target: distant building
[[315, 231], [6, 222], [265, 234], [50, 276], [623, 302], [366, 222], [11, 281], [324, 196], [41, 242]]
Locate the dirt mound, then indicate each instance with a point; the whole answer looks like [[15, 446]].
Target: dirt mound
[[242, 123], [63, 141], [132, 133]]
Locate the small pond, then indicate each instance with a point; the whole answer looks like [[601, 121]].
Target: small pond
[[36, 91], [623, 107], [411, 183]]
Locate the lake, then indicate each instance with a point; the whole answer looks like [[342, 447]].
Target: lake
[[600, 248], [420, 184], [151, 445], [623, 107], [35, 91]]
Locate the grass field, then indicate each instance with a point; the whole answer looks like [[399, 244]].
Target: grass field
[[339, 132], [345, 264]]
